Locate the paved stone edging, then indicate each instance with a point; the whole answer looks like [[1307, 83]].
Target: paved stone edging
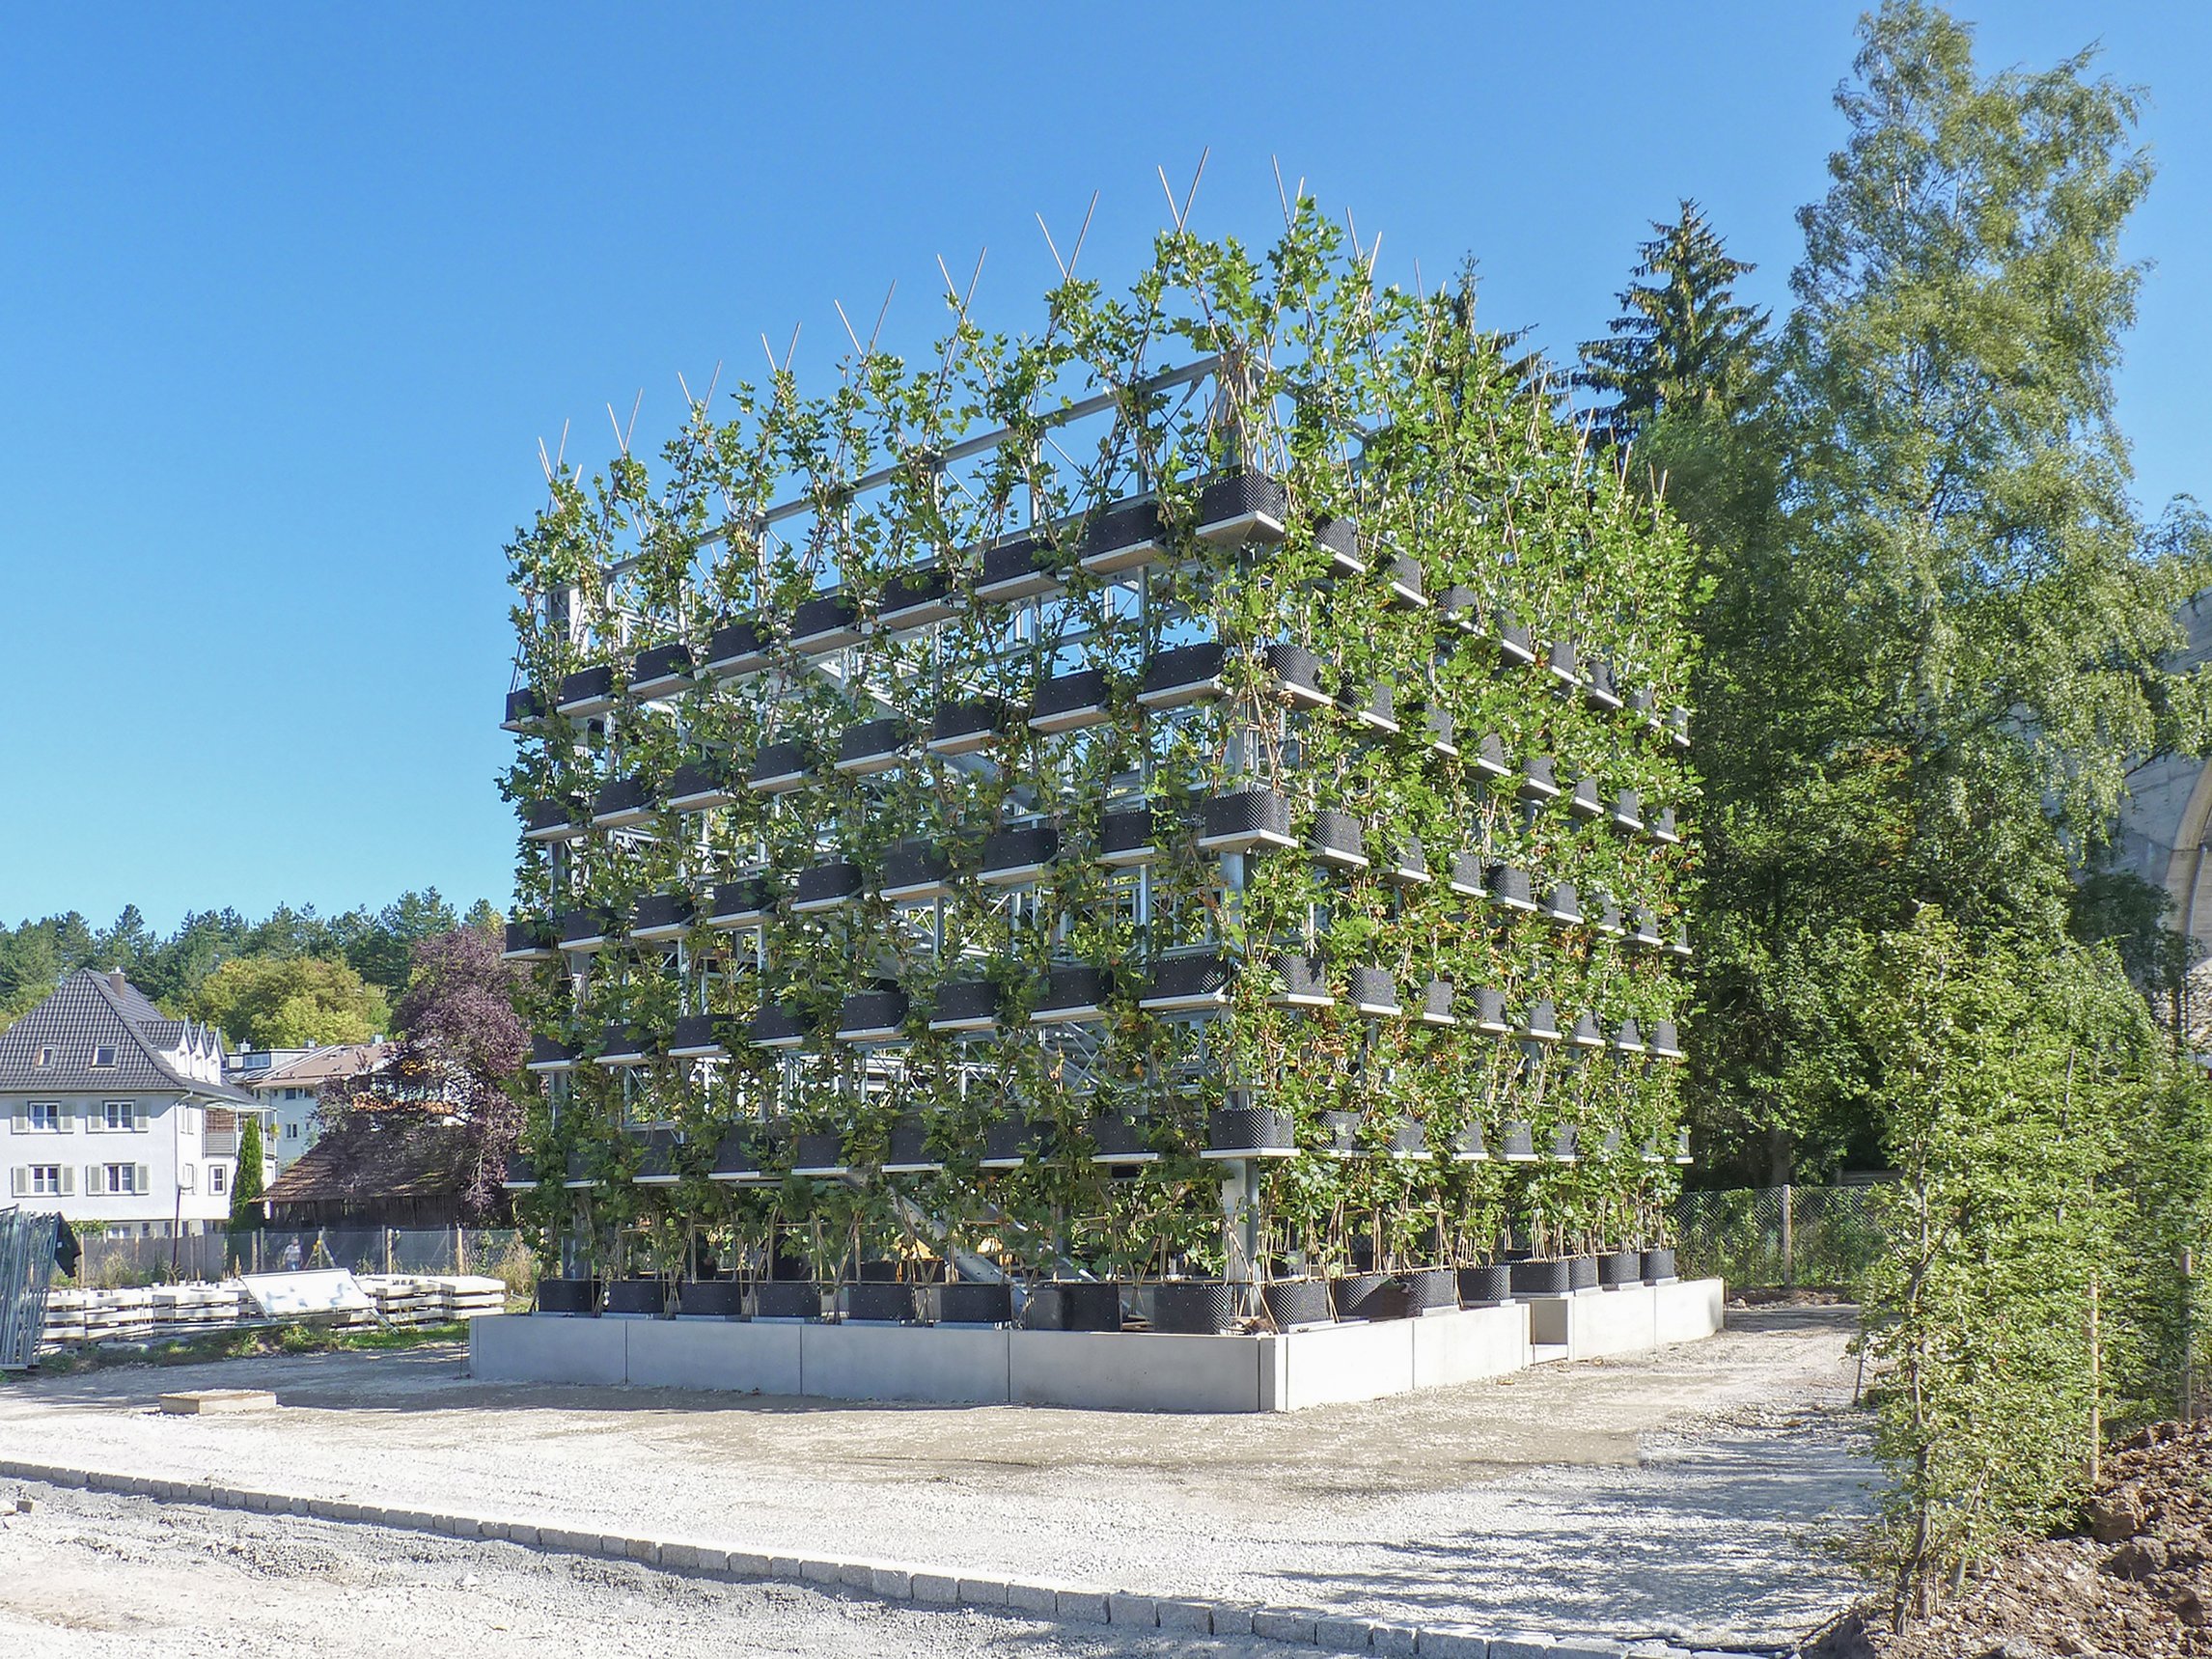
[[892, 1581]]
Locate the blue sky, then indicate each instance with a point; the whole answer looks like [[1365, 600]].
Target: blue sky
[[287, 296]]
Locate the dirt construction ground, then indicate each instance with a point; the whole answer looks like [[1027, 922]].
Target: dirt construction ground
[[1684, 1494]]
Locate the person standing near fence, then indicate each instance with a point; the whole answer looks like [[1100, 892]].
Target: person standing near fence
[[292, 1257]]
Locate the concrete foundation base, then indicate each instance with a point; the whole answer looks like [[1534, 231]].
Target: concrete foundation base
[[1128, 1370]]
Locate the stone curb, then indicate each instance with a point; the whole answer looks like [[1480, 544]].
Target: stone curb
[[893, 1580]]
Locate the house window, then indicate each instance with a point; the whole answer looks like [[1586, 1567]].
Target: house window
[[120, 1178], [292, 1131], [103, 1057], [216, 1179], [117, 1114], [44, 1115], [44, 1057]]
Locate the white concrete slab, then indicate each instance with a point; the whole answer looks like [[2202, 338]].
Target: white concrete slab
[[1134, 1371], [722, 1354], [1340, 1362], [1687, 1308], [947, 1364], [518, 1348], [1471, 1343]]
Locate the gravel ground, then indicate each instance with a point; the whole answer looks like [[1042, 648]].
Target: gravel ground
[[88, 1577], [1681, 1493]]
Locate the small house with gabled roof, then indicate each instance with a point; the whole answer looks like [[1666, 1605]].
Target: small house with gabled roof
[[116, 1114]]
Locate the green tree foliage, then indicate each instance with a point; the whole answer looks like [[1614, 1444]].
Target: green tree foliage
[[246, 1190], [290, 1002]]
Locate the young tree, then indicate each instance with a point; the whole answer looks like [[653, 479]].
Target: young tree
[[246, 1190], [290, 1002]]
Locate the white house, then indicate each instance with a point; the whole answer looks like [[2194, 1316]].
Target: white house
[[116, 1114], [289, 1091]]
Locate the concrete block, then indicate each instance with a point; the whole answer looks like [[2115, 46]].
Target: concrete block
[[746, 1563], [855, 1575], [1389, 1638], [1453, 1645], [1125, 1370], [1587, 1648], [1344, 1635], [714, 1354], [822, 1572], [896, 1584], [1521, 1644], [523, 1348], [1196, 1616], [985, 1592], [1041, 1598], [200, 1492], [791, 1567], [1471, 1343], [939, 1588], [1082, 1606], [217, 1401], [568, 1541], [1687, 1308], [324, 1508], [1342, 1363], [522, 1533], [1279, 1625], [680, 1558], [943, 1364], [1140, 1611], [1232, 1620]]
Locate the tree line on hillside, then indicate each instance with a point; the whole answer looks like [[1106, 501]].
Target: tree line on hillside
[[292, 979], [1936, 633]]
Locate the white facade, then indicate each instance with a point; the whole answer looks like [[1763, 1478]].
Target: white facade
[[133, 1163]]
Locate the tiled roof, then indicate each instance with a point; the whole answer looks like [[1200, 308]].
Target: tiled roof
[[319, 1065], [378, 1155], [88, 1011]]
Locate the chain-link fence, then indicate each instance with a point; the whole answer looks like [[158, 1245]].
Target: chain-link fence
[[1752, 1237], [205, 1258]]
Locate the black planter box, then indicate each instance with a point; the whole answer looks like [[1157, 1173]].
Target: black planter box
[[711, 1299], [744, 902], [1518, 1142], [1538, 780], [1599, 690], [1125, 837], [586, 692], [1076, 1305], [1371, 991], [699, 1037], [524, 710], [826, 887], [1193, 1306], [1012, 1141], [1073, 994], [1657, 1266], [590, 929], [1490, 1014], [1584, 801], [1489, 758], [1068, 701], [1186, 983], [871, 1016], [1340, 540], [1243, 820], [573, 1296], [779, 767], [1565, 666], [622, 802], [1564, 905], [914, 871], [1468, 1146], [908, 1152], [1468, 876], [776, 1026], [548, 1055], [1408, 865], [969, 1304], [883, 1304], [1541, 1276], [697, 785], [1369, 1296], [1123, 538], [737, 1156], [1627, 1039], [1248, 1132], [1587, 1032], [1662, 830], [1619, 1267], [1430, 1287], [661, 916], [965, 1005], [1119, 1140], [964, 728], [1516, 646], [871, 746], [656, 1154], [1408, 1138], [647, 1296], [521, 1173], [786, 1299], [1339, 839], [1019, 854], [1342, 1132], [1248, 507], [1294, 1302], [1484, 1286], [1582, 1272], [738, 647], [625, 1046], [551, 821], [1440, 729], [1408, 592], [1297, 673], [1664, 1042], [660, 671], [1373, 707], [1647, 929], [1184, 674], [1017, 569], [1436, 999], [1628, 810], [823, 624], [532, 940], [1510, 887], [916, 599], [1461, 606], [819, 1156], [1299, 982], [1566, 1144]]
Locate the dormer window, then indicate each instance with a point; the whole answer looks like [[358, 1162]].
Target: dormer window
[[103, 1057], [44, 1057]]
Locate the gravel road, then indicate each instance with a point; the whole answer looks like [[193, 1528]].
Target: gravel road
[[1683, 1493]]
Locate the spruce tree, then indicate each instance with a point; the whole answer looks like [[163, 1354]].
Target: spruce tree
[[246, 1189]]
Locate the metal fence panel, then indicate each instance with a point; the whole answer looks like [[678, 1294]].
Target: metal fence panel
[[210, 1256], [26, 1260], [1823, 1237]]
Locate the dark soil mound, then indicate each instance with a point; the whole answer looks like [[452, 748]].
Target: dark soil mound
[[2136, 1580]]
